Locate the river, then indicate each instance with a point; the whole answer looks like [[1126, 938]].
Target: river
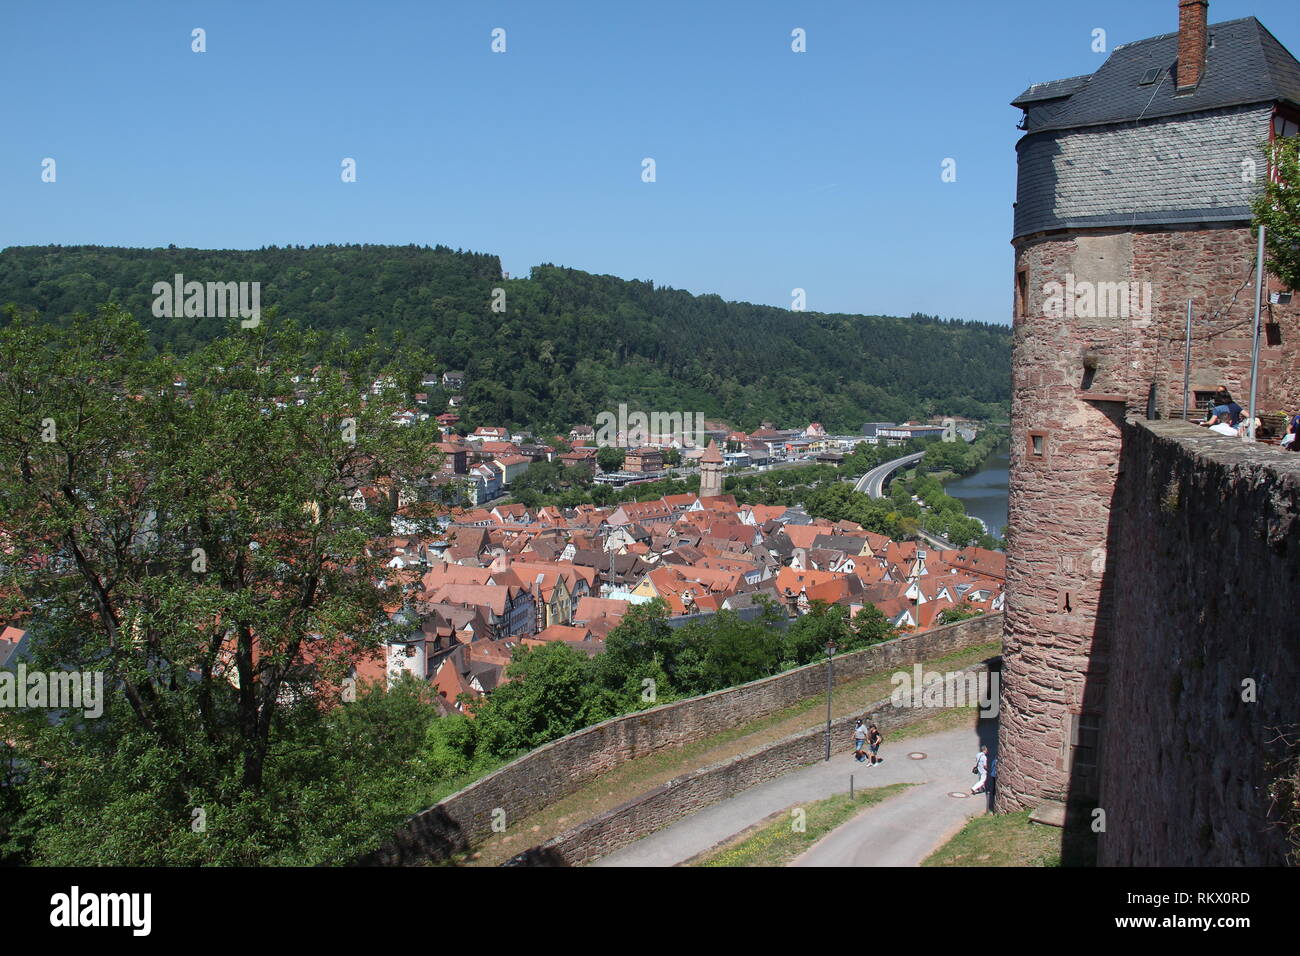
[[985, 493]]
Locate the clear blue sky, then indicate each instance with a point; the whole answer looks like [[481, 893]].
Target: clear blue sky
[[775, 170]]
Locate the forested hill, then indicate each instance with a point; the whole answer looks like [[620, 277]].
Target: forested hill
[[569, 344]]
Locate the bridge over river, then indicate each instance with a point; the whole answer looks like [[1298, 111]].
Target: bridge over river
[[873, 483]]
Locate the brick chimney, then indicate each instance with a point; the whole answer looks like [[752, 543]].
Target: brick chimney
[[1193, 34]]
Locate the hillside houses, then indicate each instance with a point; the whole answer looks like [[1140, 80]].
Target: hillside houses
[[481, 583], [491, 581], [490, 578]]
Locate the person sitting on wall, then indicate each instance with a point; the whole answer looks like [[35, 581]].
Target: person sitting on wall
[[1292, 430], [1223, 427], [1222, 399], [1230, 414]]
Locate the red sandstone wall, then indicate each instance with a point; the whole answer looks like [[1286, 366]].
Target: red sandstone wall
[[1060, 604], [1208, 557], [1215, 269]]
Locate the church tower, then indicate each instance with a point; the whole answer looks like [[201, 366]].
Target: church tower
[[711, 471]]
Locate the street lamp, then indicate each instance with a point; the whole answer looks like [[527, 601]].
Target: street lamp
[[830, 682]]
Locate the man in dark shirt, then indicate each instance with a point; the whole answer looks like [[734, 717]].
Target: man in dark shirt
[[1223, 409]]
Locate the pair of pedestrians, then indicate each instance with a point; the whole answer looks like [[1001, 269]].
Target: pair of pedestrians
[[866, 737]]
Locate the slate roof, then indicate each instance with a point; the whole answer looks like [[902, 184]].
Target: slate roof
[[1245, 65], [1104, 151], [744, 599], [1052, 89]]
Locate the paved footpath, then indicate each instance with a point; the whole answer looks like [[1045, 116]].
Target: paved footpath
[[901, 831]]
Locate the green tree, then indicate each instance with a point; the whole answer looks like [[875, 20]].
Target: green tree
[[870, 626], [197, 546], [807, 636], [958, 612], [610, 458], [735, 652], [1277, 207], [551, 693], [641, 646]]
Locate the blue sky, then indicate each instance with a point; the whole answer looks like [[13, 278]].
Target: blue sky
[[774, 169]]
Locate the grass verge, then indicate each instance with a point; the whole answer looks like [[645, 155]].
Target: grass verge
[[1003, 839], [775, 841]]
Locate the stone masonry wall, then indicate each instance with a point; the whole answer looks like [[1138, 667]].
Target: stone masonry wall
[[542, 776], [702, 788], [1207, 559], [1060, 605]]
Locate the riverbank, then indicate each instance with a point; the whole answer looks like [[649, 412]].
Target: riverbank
[[984, 494]]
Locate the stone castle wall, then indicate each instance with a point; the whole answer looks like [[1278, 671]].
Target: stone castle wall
[[1207, 563], [1076, 377], [542, 776]]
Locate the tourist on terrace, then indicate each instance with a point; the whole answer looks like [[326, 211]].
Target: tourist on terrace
[[982, 768], [859, 740], [1226, 419], [1221, 400], [874, 740], [1222, 427], [1292, 429]]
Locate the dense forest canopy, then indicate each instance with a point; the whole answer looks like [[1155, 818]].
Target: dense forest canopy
[[568, 344]]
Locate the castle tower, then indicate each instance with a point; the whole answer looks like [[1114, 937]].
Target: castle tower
[[711, 471], [1133, 197]]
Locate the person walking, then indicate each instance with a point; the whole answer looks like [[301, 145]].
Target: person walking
[[874, 740], [982, 768], [859, 740]]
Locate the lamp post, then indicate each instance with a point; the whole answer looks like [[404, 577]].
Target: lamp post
[[1187, 362], [830, 682]]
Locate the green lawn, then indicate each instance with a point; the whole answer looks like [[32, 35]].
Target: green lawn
[[776, 841], [1005, 839]]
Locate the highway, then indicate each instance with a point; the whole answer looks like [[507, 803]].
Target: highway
[[873, 482]]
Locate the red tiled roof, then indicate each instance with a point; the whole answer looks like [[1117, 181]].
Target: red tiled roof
[[560, 632], [592, 608]]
